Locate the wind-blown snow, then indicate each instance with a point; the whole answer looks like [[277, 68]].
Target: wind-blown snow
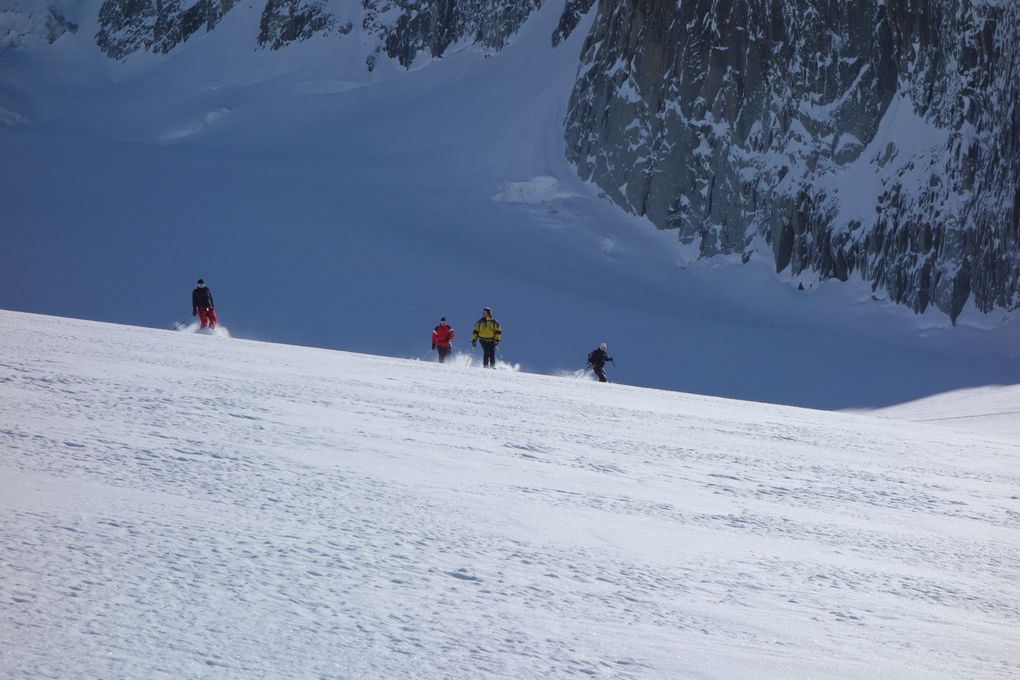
[[178, 505]]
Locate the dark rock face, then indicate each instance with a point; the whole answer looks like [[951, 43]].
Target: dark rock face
[[287, 21], [404, 28], [841, 137], [571, 17], [432, 26], [57, 25], [126, 26]]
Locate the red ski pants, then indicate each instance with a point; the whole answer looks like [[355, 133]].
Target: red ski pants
[[207, 317]]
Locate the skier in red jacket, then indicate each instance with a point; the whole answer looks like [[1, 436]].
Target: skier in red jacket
[[442, 337]]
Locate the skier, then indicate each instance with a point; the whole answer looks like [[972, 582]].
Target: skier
[[202, 306], [442, 336], [597, 359], [487, 330]]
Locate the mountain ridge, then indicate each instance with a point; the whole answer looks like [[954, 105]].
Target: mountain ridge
[[876, 140]]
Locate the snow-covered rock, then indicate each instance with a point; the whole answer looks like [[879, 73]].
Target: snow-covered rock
[[878, 138], [401, 29], [126, 26], [28, 22], [408, 28], [287, 21]]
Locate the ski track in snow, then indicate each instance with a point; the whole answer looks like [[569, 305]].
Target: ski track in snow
[[186, 506]]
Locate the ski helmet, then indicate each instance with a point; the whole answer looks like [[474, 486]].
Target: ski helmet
[[442, 319], [487, 309], [201, 282], [602, 346]]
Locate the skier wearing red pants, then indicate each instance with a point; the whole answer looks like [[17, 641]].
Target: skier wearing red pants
[[202, 306]]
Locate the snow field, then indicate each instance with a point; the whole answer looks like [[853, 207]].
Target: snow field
[[180, 505]]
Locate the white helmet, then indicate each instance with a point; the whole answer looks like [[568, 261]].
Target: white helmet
[[602, 346]]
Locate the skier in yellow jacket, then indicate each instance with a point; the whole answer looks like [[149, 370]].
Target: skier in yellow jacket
[[487, 331]]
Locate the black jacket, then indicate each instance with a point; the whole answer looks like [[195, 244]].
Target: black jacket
[[598, 357], [201, 298]]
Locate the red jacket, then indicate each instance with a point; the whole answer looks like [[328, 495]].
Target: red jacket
[[442, 336]]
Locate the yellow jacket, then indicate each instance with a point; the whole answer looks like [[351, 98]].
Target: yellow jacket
[[486, 329]]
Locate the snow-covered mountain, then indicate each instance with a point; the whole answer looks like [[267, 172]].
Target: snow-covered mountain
[[345, 173], [877, 139], [185, 506], [871, 139]]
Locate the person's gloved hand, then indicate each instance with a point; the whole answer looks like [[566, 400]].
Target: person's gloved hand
[[433, 345], [194, 311], [496, 343], [472, 343]]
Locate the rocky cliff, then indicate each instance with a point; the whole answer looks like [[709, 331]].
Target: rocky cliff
[[871, 138], [287, 21], [403, 29], [126, 26], [432, 26]]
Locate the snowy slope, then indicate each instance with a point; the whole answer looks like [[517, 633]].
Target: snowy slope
[[335, 207], [994, 409], [178, 505]]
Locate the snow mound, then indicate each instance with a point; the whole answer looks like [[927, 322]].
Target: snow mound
[[542, 189], [202, 124], [992, 409]]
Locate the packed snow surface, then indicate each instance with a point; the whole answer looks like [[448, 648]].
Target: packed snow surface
[[182, 505]]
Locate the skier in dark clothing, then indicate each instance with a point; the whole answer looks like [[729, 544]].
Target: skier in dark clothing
[[597, 359], [442, 338], [202, 306]]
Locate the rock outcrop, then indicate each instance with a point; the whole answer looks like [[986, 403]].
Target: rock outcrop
[[403, 28], [126, 26], [287, 21], [408, 28], [573, 11]]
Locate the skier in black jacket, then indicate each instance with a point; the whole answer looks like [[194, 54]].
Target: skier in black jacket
[[597, 359], [202, 306]]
